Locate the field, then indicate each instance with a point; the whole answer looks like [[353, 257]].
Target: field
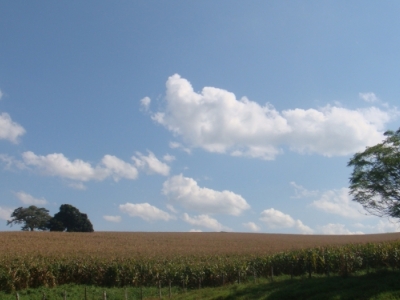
[[185, 260], [168, 244]]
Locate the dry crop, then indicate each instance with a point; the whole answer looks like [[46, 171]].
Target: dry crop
[[32, 259]]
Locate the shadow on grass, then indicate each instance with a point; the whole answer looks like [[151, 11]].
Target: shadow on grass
[[377, 285]]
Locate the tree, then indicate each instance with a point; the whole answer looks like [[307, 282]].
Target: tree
[[32, 217], [70, 219], [375, 180]]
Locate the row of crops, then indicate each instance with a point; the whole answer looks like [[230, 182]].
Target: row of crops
[[27, 271]]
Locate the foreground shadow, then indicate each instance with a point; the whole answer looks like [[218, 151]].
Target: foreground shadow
[[369, 286]]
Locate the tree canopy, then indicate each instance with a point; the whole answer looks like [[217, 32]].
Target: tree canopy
[[31, 217], [70, 219], [375, 180]]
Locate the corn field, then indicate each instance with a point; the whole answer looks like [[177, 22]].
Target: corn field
[[28, 270]]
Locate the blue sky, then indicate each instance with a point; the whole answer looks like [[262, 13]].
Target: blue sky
[[195, 115]]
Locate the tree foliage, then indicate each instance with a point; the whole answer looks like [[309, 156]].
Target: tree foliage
[[70, 219], [375, 180], [31, 217]]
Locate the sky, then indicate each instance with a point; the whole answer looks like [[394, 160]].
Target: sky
[[196, 115]]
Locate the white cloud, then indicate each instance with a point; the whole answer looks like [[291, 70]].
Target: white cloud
[[115, 219], [252, 226], [301, 192], [195, 230], [175, 145], [336, 229], [150, 164], [145, 211], [57, 164], [339, 202], [206, 222], [218, 122], [145, 103], [276, 219], [29, 199], [368, 97], [386, 225], [9, 130], [187, 193], [168, 158], [5, 213], [119, 169], [172, 209]]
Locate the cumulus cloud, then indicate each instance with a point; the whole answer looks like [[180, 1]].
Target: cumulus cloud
[[10, 130], [368, 97], [5, 213], [217, 121], [195, 230], [206, 222], [186, 192], [118, 168], [115, 219], [336, 229], [57, 164], [252, 226], [145, 211], [276, 219], [145, 103], [339, 202], [29, 199], [150, 164]]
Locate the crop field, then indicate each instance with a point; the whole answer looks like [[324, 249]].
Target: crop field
[[169, 244], [34, 259]]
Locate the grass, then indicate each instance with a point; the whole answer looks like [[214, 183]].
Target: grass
[[383, 284]]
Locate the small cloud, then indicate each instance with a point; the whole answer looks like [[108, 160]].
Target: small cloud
[[339, 202], [205, 221], [115, 219], [150, 164], [336, 229], [172, 209], [195, 230], [10, 130], [175, 145], [276, 219], [77, 186], [369, 97], [301, 192], [145, 211], [1, 94], [252, 226], [168, 158], [29, 199], [5, 213], [186, 192], [145, 103]]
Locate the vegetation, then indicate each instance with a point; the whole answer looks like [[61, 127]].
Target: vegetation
[[109, 267], [379, 284], [69, 219], [375, 181], [31, 217]]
